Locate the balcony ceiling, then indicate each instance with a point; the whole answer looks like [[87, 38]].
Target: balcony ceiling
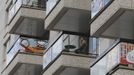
[[72, 71], [71, 16], [120, 25], [74, 20], [27, 69], [30, 27]]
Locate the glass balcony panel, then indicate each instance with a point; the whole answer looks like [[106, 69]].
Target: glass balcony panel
[[13, 51], [52, 52], [71, 42], [93, 45], [100, 67], [98, 5], [50, 5], [11, 13], [106, 2], [47, 58], [30, 2], [107, 62], [34, 3], [75, 43], [28, 45], [16, 6], [104, 44], [57, 48]]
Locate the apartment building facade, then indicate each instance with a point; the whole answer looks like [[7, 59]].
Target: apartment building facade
[[61, 37], [23, 38]]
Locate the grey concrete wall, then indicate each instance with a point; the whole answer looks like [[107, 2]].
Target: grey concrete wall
[[3, 31]]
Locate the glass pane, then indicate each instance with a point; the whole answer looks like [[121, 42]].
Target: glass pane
[[97, 5], [50, 5], [13, 51], [18, 5], [34, 3], [109, 61], [93, 46], [106, 2], [11, 13], [104, 44], [47, 58], [57, 48], [13, 10], [28, 45], [99, 68], [75, 43]]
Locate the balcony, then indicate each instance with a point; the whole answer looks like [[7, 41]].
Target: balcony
[[117, 20], [25, 57], [69, 53], [26, 17], [117, 60], [68, 15]]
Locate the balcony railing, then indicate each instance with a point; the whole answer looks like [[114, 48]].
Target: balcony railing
[[26, 45], [50, 4], [13, 9], [98, 5], [52, 52], [121, 53], [67, 43]]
